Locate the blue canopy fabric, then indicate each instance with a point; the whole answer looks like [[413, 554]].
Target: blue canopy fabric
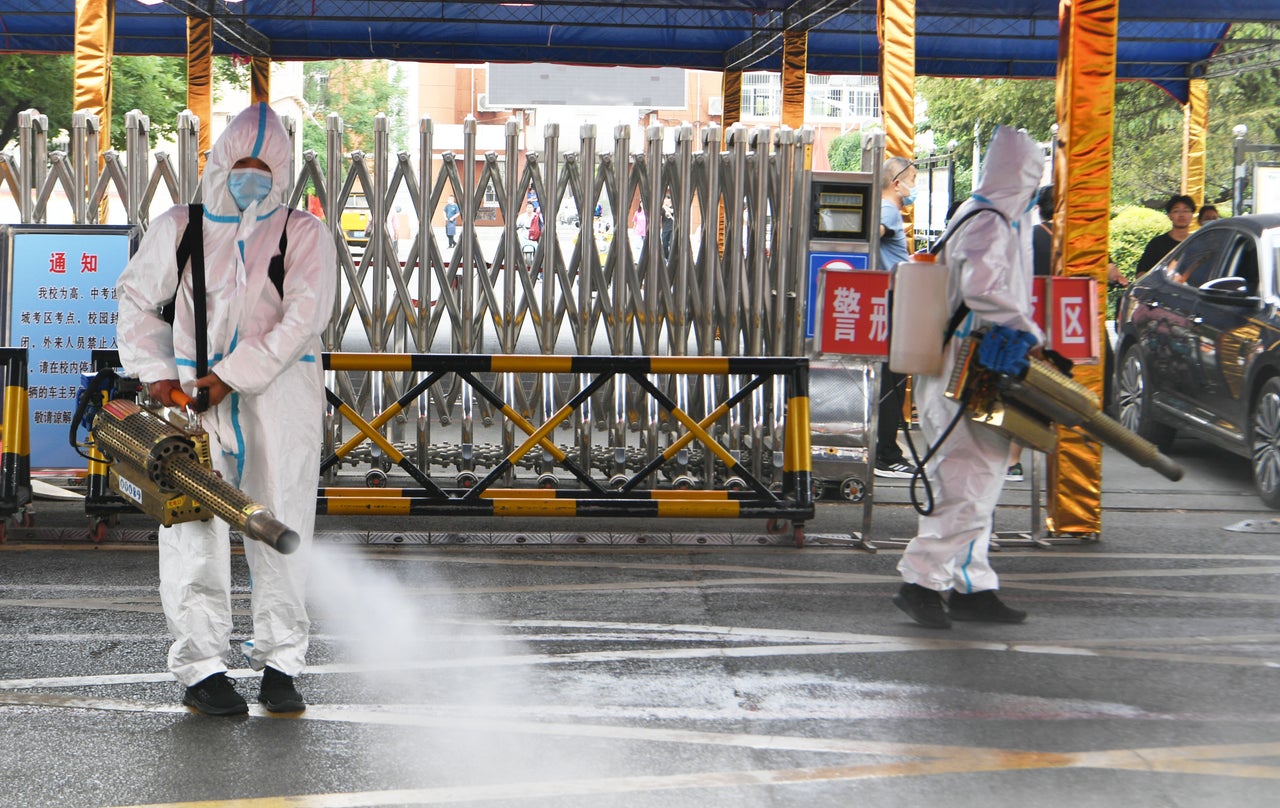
[[1160, 42]]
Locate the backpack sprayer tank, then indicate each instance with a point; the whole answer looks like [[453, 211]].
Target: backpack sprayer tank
[[163, 467]]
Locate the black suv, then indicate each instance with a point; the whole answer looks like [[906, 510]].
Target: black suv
[[1198, 347]]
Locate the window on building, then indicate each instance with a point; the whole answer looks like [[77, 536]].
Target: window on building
[[827, 98], [761, 95]]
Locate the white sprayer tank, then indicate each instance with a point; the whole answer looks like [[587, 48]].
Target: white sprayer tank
[[919, 318]]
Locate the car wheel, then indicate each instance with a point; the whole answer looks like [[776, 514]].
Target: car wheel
[[1134, 407], [1264, 443]]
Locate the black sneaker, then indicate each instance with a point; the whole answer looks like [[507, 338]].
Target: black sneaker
[[923, 605], [215, 695], [278, 694], [895, 468], [983, 607]]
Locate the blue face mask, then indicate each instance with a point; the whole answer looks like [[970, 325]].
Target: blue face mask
[[248, 185], [910, 198]]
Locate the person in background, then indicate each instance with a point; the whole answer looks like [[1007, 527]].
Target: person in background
[[1042, 263], [452, 218], [265, 418], [640, 225], [990, 264], [1042, 235], [1180, 208], [897, 191], [1208, 213], [668, 229]]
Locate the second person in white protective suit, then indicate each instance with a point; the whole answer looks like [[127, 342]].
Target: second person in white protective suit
[[266, 402], [989, 259]]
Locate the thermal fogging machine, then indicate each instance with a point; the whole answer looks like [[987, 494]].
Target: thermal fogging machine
[[159, 461]]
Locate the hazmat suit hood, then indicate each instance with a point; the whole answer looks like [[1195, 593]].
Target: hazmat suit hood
[[1011, 173], [255, 132], [991, 255]]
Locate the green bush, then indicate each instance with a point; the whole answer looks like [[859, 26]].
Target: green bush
[[844, 153], [1131, 229]]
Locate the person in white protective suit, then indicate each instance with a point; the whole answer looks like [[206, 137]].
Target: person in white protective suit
[[989, 259], [266, 403]]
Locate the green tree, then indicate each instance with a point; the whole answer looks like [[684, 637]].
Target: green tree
[[357, 92], [1147, 147], [955, 108], [1251, 98], [1146, 160], [844, 153], [154, 84]]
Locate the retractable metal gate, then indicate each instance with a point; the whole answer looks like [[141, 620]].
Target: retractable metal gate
[[721, 276]]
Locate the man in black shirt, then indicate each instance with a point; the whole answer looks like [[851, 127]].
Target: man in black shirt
[[1042, 236], [1180, 208]]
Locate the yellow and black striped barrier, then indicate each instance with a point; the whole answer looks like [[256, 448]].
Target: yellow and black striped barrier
[[15, 453], [634, 496], [593, 498]]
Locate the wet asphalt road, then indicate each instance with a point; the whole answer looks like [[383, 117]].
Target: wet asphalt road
[[732, 673]]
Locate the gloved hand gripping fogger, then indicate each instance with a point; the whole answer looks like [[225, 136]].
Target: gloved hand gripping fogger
[[160, 462], [1002, 387]]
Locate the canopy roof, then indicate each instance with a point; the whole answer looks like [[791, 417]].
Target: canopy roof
[[1160, 42]]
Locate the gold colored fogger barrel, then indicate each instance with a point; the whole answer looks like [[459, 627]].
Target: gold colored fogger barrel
[[163, 468], [1024, 405]]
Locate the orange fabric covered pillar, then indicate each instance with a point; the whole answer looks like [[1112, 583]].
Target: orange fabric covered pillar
[[795, 74], [896, 24], [260, 80], [897, 31], [1195, 133], [1082, 175], [95, 47], [200, 79], [731, 90]]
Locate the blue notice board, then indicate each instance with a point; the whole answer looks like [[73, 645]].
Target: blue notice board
[[60, 304], [819, 261]]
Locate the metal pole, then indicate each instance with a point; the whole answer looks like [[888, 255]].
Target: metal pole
[[1239, 169]]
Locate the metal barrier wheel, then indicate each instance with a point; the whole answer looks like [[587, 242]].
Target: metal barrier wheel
[[375, 478], [99, 527], [853, 489], [783, 527], [548, 481], [467, 480]]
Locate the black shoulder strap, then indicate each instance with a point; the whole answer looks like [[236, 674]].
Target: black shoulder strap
[[191, 238], [275, 271], [955, 225], [199, 303], [962, 311]]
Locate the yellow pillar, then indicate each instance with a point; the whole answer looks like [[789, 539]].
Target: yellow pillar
[[896, 24], [260, 80], [731, 113], [795, 70], [95, 45], [200, 78], [1195, 130], [731, 90], [1082, 174], [897, 30]]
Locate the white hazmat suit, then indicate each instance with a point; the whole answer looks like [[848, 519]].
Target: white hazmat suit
[[990, 269], [266, 435]]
